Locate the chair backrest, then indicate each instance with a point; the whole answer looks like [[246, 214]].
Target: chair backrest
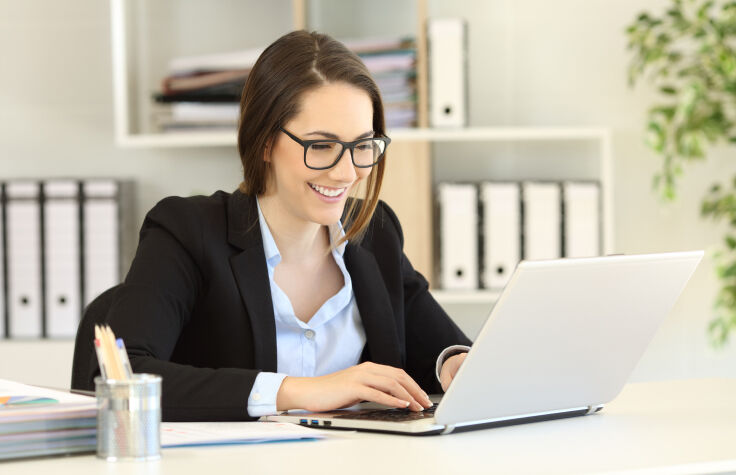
[[84, 361]]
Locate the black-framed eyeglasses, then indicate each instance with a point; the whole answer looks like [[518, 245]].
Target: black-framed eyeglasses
[[322, 154]]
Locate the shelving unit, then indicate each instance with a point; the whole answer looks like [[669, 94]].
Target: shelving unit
[[411, 150]]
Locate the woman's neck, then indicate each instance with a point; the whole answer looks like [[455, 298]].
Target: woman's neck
[[298, 240]]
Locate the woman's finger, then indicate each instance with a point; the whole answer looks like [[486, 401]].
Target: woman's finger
[[404, 379], [393, 387], [374, 395], [450, 368], [414, 389]]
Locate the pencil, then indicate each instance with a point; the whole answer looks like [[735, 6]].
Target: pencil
[[114, 353], [100, 357], [123, 353]]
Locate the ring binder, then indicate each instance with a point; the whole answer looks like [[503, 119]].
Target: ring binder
[[501, 232], [61, 257], [23, 259], [458, 236], [447, 72]]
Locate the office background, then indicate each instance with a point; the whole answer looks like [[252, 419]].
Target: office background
[[531, 63]]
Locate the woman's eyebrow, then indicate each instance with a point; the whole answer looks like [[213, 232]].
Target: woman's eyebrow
[[330, 135]]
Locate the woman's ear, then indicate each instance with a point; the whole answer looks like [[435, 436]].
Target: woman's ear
[[267, 151]]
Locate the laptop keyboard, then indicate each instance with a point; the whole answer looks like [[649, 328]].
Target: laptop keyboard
[[391, 415]]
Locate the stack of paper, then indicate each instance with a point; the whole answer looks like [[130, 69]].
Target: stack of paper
[[36, 421], [203, 92], [191, 434], [392, 63]]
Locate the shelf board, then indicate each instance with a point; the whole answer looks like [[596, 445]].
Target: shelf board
[[503, 134], [508, 134], [465, 296], [179, 139]]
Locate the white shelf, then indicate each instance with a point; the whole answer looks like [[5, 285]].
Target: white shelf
[[465, 296], [183, 139], [502, 134], [497, 134]]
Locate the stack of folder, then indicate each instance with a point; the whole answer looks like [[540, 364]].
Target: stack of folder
[[63, 242], [203, 92], [392, 63], [486, 229], [37, 422]]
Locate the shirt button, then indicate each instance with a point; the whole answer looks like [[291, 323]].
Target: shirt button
[[309, 334], [257, 397]]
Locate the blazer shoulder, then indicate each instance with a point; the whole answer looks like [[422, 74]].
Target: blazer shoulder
[[191, 208], [189, 218]]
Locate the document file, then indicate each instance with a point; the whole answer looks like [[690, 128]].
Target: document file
[[542, 227], [3, 311], [62, 257], [447, 72], [501, 232], [101, 237], [458, 236], [582, 219], [24, 260]]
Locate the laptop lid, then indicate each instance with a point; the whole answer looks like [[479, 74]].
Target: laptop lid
[[565, 334]]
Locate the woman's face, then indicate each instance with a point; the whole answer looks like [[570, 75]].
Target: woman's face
[[333, 111]]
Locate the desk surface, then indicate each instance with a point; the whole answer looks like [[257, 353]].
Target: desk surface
[[662, 427]]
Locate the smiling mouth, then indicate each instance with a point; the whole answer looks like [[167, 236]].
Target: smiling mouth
[[329, 192]]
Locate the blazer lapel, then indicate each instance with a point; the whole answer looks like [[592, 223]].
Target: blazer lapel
[[251, 274], [382, 341]]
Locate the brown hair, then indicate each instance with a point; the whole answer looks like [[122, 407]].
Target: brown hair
[[292, 65]]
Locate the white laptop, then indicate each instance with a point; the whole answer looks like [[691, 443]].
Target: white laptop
[[561, 341]]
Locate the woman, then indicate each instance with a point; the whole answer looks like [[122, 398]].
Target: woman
[[286, 293]]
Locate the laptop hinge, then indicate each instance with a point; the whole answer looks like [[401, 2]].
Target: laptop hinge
[[592, 409], [448, 428]]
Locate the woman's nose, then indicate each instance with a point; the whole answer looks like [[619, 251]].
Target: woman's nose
[[344, 170]]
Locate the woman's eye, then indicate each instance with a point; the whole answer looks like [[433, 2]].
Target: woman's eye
[[322, 146]]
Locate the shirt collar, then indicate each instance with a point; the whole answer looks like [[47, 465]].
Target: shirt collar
[[273, 256]]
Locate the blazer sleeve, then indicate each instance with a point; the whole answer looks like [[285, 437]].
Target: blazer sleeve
[[428, 328], [156, 301]]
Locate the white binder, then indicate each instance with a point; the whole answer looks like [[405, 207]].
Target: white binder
[[447, 72], [2, 261], [62, 258], [582, 219], [542, 227], [501, 232], [101, 231], [458, 236], [24, 259]]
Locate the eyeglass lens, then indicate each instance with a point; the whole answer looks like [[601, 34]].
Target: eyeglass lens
[[365, 154]]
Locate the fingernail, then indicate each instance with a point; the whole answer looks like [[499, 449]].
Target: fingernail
[[427, 398], [406, 403]]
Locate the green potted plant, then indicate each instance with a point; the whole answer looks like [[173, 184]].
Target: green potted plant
[[689, 54]]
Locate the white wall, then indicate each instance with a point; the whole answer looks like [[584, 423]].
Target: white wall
[[536, 62], [533, 62]]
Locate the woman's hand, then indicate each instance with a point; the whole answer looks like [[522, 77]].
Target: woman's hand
[[365, 382], [449, 369]]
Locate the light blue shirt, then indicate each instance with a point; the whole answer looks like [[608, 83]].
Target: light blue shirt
[[332, 340]]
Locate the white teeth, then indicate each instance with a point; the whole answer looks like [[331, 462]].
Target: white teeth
[[327, 192]]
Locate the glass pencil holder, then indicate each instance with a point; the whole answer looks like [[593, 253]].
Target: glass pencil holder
[[129, 418]]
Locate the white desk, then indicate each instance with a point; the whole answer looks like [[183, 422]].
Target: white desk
[[662, 427]]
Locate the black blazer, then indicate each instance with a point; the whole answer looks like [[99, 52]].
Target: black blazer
[[196, 305]]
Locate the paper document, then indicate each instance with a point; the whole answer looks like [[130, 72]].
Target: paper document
[[190, 434], [12, 389]]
